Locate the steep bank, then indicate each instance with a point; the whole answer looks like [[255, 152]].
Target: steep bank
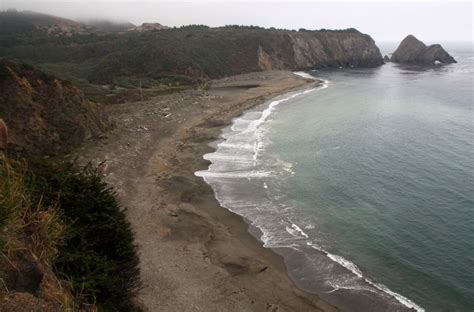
[[45, 115], [188, 55], [319, 49], [195, 255]]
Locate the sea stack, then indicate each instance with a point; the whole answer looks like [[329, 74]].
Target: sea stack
[[413, 51]]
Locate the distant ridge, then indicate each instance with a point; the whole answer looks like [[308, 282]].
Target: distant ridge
[[13, 21]]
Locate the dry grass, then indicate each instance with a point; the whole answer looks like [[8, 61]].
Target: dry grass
[[28, 226], [45, 229], [42, 225], [14, 200]]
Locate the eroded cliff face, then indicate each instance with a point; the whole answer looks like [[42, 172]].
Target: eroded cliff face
[[413, 51], [45, 115], [319, 49]]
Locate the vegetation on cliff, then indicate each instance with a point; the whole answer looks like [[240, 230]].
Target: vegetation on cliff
[[187, 55], [64, 239], [46, 115], [98, 256], [65, 243]]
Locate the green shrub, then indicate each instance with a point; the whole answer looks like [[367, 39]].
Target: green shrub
[[98, 256]]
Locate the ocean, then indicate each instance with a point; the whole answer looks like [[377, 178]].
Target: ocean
[[365, 185]]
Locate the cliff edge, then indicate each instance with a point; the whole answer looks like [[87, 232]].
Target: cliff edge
[[319, 49], [413, 51], [45, 115]]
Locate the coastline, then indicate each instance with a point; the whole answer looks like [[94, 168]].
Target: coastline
[[195, 255], [234, 162]]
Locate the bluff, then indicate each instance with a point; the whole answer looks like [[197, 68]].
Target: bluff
[[413, 51], [200, 51], [318, 49], [189, 53], [45, 115]]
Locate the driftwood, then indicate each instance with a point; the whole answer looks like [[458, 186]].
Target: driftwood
[[3, 136]]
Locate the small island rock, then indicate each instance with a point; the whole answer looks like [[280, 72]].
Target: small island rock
[[413, 51]]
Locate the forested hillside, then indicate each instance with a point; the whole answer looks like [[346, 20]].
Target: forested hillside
[[186, 55]]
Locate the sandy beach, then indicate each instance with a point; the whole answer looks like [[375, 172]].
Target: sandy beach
[[195, 255]]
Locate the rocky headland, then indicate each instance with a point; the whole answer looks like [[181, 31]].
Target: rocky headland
[[413, 51], [318, 49], [151, 54]]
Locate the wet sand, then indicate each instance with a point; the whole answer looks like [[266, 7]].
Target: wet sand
[[194, 254]]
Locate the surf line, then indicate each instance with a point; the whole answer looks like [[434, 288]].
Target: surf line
[[253, 127]]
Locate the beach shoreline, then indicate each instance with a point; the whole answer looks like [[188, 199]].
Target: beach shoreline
[[242, 177], [194, 255]]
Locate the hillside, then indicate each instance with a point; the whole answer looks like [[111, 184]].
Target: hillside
[[54, 114], [12, 22], [188, 54]]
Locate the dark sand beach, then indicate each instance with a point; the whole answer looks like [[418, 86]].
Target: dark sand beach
[[195, 255]]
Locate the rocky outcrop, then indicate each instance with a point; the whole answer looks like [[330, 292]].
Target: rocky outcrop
[[413, 51], [45, 115], [319, 49], [350, 48], [148, 26]]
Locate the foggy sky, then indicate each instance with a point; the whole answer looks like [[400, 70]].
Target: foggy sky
[[430, 21]]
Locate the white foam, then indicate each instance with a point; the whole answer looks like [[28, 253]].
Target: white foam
[[239, 146], [354, 269], [336, 286], [402, 299], [304, 75], [227, 157], [345, 263], [233, 174], [296, 231]]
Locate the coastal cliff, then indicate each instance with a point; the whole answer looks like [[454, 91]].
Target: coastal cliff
[[44, 114], [189, 55], [200, 52], [319, 49], [413, 51]]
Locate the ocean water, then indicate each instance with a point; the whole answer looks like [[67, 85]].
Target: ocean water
[[365, 185]]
